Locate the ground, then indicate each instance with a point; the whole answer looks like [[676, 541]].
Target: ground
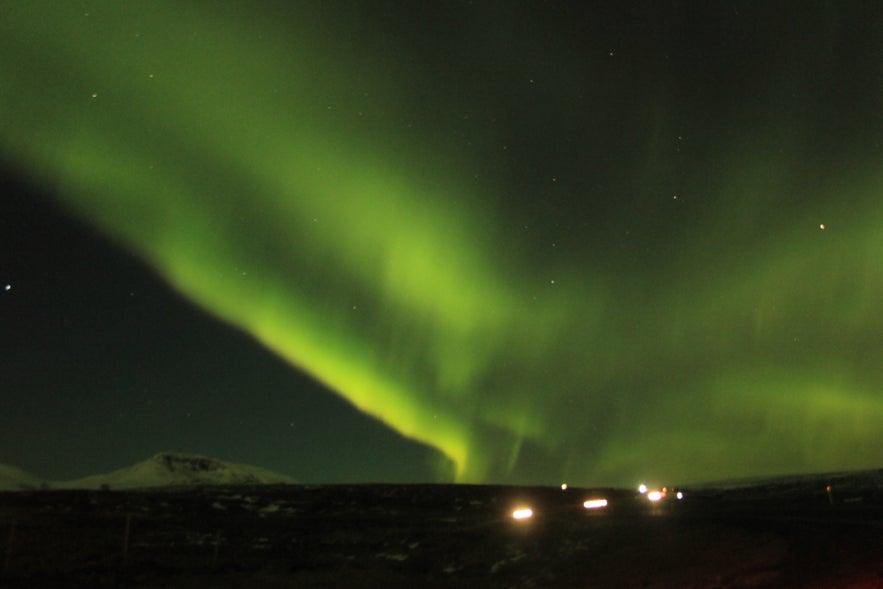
[[789, 535]]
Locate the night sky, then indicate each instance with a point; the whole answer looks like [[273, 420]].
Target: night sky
[[521, 242]]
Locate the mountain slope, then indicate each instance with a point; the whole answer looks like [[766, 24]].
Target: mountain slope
[[172, 469]]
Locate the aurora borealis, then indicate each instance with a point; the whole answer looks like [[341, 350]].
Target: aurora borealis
[[553, 243]]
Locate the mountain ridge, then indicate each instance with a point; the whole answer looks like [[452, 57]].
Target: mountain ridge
[[164, 469]]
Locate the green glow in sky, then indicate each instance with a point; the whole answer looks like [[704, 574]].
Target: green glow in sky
[[610, 312]]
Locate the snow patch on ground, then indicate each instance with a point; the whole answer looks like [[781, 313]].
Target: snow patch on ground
[[393, 556]]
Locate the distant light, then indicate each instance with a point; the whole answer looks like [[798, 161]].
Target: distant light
[[523, 513], [7, 288], [595, 503], [563, 486], [822, 226], [654, 495], [679, 495], [642, 488]]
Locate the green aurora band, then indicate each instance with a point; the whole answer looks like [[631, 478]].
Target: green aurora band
[[262, 167]]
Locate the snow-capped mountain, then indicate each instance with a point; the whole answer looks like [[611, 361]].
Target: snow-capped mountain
[[161, 470], [170, 469]]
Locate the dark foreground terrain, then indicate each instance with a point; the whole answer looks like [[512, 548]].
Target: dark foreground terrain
[[785, 534]]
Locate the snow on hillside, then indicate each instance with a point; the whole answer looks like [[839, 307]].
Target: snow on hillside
[[873, 477], [162, 470], [15, 479], [171, 469]]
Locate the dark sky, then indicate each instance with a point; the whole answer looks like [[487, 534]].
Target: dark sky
[[492, 242], [104, 365]]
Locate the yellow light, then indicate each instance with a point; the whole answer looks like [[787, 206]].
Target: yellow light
[[563, 486], [595, 503], [523, 513], [654, 495]]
